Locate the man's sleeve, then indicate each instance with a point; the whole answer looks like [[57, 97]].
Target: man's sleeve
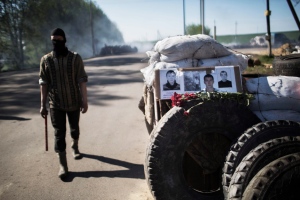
[[43, 77], [81, 75]]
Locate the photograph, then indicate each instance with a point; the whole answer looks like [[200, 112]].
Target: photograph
[[226, 79], [224, 82], [209, 82], [192, 81], [170, 82]]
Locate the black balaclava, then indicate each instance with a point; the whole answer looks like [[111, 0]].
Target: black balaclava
[[59, 47]]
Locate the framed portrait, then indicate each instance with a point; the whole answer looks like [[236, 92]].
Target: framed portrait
[[197, 79], [170, 81]]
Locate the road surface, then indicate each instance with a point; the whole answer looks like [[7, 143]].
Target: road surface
[[113, 137]]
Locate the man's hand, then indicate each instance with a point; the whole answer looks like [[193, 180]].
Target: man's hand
[[44, 112], [84, 107]]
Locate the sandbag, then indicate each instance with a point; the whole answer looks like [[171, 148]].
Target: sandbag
[[285, 86], [149, 104], [271, 115], [272, 102], [148, 73], [233, 59], [189, 46], [274, 93], [153, 56], [177, 64]]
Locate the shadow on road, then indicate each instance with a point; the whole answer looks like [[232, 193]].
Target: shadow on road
[[20, 92], [134, 170], [14, 118], [114, 61]]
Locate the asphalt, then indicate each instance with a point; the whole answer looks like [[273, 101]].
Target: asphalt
[[113, 137]]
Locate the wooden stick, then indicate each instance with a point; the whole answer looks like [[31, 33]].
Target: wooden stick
[[46, 133]]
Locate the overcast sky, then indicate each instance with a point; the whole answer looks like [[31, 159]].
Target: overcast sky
[[146, 20]]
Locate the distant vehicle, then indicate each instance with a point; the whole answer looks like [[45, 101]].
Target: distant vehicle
[[277, 40]]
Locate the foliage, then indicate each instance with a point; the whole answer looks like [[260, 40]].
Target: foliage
[[262, 70], [266, 59], [199, 97], [26, 26], [194, 29]]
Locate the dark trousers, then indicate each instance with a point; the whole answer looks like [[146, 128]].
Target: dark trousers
[[58, 119]]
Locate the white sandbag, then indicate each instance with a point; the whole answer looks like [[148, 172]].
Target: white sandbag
[[148, 73], [177, 64], [271, 102], [153, 56], [189, 46], [271, 115], [233, 59], [275, 93], [285, 86]]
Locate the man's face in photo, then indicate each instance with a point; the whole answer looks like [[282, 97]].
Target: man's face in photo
[[223, 76], [209, 82], [171, 78]]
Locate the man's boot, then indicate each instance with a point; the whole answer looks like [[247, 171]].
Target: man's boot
[[63, 165], [76, 153]]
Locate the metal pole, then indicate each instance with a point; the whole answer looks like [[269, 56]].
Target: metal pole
[[184, 30], [200, 16], [203, 20], [215, 30], [268, 38], [294, 13], [92, 28]]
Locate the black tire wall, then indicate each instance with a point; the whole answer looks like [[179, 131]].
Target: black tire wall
[[254, 136], [175, 132], [287, 65], [258, 158], [278, 180]]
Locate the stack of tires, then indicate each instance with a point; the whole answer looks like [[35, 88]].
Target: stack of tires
[[264, 163], [222, 149]]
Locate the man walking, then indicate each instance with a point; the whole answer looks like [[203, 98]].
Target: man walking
[[63, 79]]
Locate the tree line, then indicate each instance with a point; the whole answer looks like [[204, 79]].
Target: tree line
[[26, 26]]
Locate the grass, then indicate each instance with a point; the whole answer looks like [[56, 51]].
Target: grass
[[264, 68]]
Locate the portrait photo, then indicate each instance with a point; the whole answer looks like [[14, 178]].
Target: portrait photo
[[209, 82], [226, 78], [192, 81], [170, 82]]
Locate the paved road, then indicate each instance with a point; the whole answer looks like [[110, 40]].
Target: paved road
[[113, 137]]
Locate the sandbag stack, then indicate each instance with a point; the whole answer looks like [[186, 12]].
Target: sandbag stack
[[276, 97], [190, 51]]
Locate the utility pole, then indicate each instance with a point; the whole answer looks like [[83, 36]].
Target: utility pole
[[215, 30], [235, 30], [294, 13], [268, 36], [202, 15], [184, 30], [92, 27]]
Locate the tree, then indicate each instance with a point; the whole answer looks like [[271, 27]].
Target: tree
[[194, 29], [12, 15], [26, 26]]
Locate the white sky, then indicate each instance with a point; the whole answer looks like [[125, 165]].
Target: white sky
[[146, 20]]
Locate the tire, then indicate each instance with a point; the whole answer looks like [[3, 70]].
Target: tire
[[252, 137], [287, 65], [256, 159], [278, 180], [169, 151]]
